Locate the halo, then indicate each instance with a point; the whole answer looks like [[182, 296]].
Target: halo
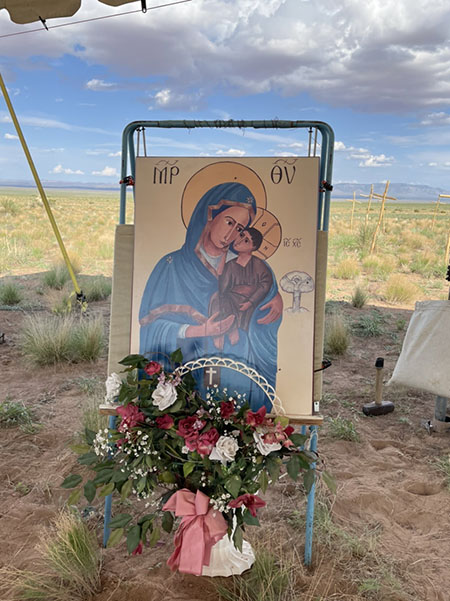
[[220, 173], [270, 228]]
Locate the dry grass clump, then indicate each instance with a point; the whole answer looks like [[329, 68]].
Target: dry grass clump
[[49, 340], [399, 289], [414, 241], [360, 297], [58, 276], [347, 269], [337, 335], [68, 568], [379, 267]]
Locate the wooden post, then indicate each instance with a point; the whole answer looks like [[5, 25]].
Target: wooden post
[[366, 223], [447, 250], [353, 211], [383, 197], [437, 206]]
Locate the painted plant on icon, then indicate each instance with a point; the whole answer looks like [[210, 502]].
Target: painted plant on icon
[[169, 441]]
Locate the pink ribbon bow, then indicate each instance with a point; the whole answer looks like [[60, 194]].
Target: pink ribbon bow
[[200, 528]]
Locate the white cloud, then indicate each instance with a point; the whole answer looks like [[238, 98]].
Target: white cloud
[[339, 146], [169, 99], [436, 119], [66, 171], [107, 171], [379, 160], [11, 137], [432, 164], [115, 154], [231, 152], [99, 85]]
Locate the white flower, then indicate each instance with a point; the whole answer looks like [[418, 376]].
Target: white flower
[[263, 447], [113, 384], [225, 449], [164, 395]]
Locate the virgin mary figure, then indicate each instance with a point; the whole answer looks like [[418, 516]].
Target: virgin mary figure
[[176, 299]]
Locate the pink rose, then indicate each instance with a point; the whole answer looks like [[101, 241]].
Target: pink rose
[[252, 502], [152, 368], [190, 426], [165, 422], [131, 416], [226, 409], [256, 418], [289, 430]]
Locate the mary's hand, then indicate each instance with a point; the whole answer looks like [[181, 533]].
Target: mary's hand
[[275, 307], [211, 327]]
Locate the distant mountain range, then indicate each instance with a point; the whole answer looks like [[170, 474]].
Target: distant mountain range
[[402, 192]]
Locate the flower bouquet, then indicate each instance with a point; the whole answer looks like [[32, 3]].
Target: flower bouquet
[[181, 455]]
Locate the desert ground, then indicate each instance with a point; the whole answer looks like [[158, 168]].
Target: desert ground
[[384, 535]]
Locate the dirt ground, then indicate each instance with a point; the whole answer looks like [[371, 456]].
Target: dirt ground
[[390, 497]]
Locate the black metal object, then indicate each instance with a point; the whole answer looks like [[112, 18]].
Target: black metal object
[[325, 365]]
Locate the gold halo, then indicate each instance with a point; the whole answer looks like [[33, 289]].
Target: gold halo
[[270, 228], [220, 173]]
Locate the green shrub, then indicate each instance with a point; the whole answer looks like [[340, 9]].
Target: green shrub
[[379, 267], [14, 413], [359, 297], [342, 429], [337, 335], [49, 340], [370, 325], [10, 294], [96, 289], [59, 275]]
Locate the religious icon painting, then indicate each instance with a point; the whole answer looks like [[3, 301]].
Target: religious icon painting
[[224, 266]]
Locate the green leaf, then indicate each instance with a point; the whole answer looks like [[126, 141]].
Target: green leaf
[[177, 356], [309, 478], [148, 517], [103, 476], [90, 491], [298, 439], [329, 481], [89, 436], [238, 538], [154, 537], [137, 361], [263, 481], [120, 520], [74, 497], [249, 519], [119, 476], [167, 522], [283, 420], [106, 490], [188, 468], [71, 481], [293, 466], [142, 483], [273, 467], [168, 477], [115, 537], [126, 490], [79, 449], [87, 458], [145, 526], [233, 485], [133, 538]]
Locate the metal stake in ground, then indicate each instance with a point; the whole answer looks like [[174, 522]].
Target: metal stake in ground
[[379, 407]]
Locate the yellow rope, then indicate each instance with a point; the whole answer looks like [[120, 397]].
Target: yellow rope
[[66, 258]]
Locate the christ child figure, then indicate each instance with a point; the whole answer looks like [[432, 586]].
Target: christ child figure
[[242, 285]]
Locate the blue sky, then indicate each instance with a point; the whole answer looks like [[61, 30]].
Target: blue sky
[[377, 71]]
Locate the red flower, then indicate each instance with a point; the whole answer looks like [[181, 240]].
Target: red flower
[[138, 550], [252, 502], [152, 368], [190, 426], [206, 442], [257, 418], [288, 430], [165, 422], [226, 409], [131, 416]]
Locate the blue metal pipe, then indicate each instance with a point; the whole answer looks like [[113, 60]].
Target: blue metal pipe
[[108, 499], [310, 504]]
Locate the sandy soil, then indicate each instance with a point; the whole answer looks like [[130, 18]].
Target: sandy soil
[[389, 496]]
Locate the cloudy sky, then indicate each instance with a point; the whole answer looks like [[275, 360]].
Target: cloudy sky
[[377, 71]]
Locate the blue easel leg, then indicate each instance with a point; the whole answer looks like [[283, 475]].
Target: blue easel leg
[[108, 499], [310, 504]]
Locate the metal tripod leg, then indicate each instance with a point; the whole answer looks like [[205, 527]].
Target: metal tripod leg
[[108, 499], [310, 503]]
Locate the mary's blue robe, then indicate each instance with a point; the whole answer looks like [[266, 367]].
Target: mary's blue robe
[[180, 288]]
